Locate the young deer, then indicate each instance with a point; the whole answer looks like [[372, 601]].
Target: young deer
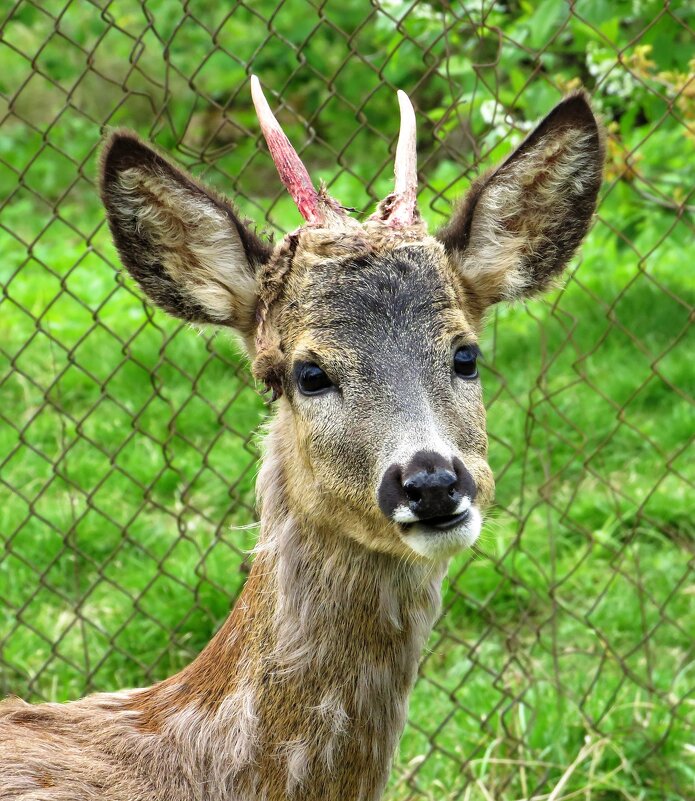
[[374, 472]]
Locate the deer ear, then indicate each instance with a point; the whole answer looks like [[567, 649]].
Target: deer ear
[[185, 245], [520, 224]]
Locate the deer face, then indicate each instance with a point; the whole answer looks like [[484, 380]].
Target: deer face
[[367, 334], [382, 404]]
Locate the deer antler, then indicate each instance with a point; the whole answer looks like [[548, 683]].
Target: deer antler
[[315, 206], [405, 187], [400, 207]]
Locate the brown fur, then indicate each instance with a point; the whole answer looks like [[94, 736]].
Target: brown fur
[[303, 691]]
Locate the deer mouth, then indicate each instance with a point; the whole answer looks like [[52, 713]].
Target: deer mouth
[[442, 537], [441, 523]]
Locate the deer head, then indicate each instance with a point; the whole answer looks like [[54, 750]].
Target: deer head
[[366, 333]]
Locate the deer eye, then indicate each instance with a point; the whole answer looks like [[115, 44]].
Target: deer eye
[[465, 361], [311, 379]]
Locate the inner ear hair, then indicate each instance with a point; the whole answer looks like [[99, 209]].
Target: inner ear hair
[[519, 224], [185, 244]]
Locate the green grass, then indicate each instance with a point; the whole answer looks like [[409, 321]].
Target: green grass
[[577, 621], [120, 430], [564, 661]]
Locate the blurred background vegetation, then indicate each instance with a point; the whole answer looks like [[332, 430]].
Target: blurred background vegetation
[[563, 666]]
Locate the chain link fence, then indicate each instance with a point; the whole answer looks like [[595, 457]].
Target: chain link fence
[[563, 665]]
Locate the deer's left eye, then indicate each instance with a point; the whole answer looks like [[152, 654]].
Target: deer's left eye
[[311, 379], [466, 361]]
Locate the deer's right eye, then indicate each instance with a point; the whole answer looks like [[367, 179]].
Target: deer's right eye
[[311, 379], [465, 361]]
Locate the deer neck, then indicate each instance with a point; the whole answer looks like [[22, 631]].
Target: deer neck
[[305, 686]]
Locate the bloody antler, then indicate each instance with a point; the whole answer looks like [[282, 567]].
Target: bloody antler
[[314, 206]]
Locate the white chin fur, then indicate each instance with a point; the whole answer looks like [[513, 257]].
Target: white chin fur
[[434, 544]]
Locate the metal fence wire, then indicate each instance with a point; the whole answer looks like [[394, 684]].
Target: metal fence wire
[[563, 664]]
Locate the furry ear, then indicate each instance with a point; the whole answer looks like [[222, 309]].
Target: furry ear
[[185, 245], [519, 225]]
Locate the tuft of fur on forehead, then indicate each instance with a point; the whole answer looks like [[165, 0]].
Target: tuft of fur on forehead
[[305, 249]]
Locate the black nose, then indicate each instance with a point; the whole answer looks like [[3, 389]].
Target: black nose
[[432, 492], [431, 487]]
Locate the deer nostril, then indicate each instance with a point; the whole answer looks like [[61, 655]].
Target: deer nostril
[[430, 486], [413, 492]]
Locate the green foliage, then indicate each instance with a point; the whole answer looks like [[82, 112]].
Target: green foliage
[[125, 440]]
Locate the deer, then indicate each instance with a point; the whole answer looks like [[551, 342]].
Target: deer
[[374, 468]]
